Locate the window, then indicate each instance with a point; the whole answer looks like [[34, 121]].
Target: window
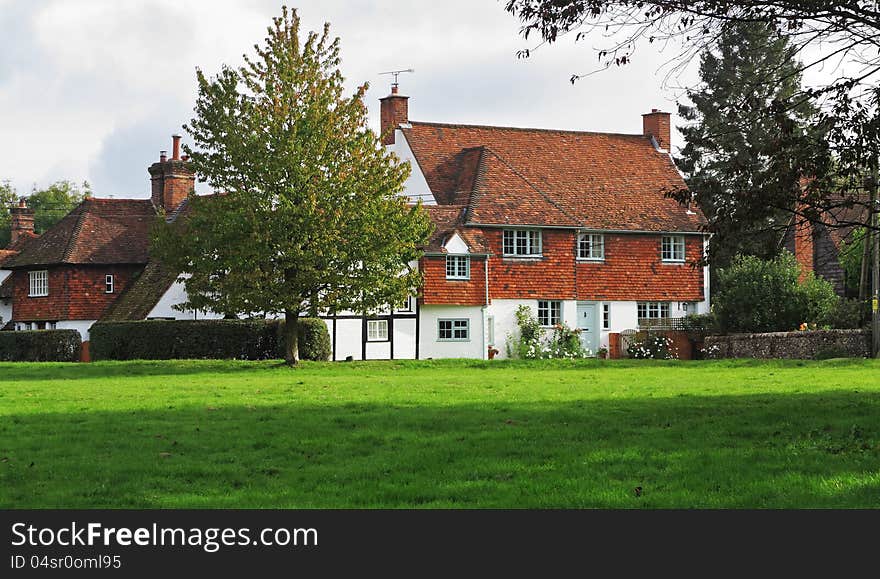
[[408, 305], [549, 312], [39, 283], [108, 284], [653, 310], [606, 316], [591, 246], [377, 330], [454, 330], [672, 248], [458, 267], [522, 242]]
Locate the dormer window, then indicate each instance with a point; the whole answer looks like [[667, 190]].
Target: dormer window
[[458, 267], [108, 284], [522, 243]]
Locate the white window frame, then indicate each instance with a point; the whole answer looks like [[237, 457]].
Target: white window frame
[[672, 249], [377, 330], [38, 283], [606, 316], [109, 286], [407, 306], [457, 326], [458, 272], [591, 247], [550, 313], [521, 243], [653, 310]]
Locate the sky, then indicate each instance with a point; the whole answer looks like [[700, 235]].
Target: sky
[[93, 89]]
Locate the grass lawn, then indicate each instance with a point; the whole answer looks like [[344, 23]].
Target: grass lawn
[[199, 434]]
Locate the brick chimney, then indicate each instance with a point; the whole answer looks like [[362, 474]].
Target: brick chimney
[[804, 251], [22, 221], [172, 179], [394, 110], [656, 124]]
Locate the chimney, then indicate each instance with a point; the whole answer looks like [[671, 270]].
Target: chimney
[[22, 221], [172, 179], [394, 111], [804, 251], [656, 124]]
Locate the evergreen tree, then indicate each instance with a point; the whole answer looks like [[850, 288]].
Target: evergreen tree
[[730, 143], [311, 218]]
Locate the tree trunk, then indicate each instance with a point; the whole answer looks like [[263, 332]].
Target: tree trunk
[[291, 337]]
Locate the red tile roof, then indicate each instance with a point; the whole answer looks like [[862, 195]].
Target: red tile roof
[[97, 231], [550, 177], [448, 220]]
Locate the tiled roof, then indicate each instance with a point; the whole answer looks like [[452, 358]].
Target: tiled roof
[[139, 299], [549, 177], [448, 220], [6, 288], [97, 231], [6, 254]]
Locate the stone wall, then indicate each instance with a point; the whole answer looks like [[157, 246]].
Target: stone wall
[[792, 345]]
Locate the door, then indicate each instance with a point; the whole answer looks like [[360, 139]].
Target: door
[[587, 325]]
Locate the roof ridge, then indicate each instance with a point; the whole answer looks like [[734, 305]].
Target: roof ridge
[[525, 129], [532, 185], [74, 233]]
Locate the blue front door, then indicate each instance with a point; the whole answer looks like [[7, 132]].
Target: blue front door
[[587, 326]]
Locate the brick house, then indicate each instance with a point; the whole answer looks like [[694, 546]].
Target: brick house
[[67, 277], [573, 224]]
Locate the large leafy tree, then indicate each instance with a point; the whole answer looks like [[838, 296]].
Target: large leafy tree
[[311, 217], [729, 141], [841, 37], [50, 205]]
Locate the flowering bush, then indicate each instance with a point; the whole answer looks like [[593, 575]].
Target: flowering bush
[[652, 347], [530, 344], [710, 352]]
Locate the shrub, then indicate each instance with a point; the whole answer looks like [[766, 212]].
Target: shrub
[[40, 346], [205, 339], [314, 340], [181, 339], [651, 347], [529, 343], [701, 324], [756, 295], [847, 314]]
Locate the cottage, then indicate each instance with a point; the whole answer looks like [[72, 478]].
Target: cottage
[[573, 224]]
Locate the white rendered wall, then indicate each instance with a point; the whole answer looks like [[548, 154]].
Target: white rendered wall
[[83, 326], [504, 312], [5, 312], [430, 347], [176, 294], [405, 339], [415, 187]]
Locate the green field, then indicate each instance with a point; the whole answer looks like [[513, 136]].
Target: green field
[[713, 434]]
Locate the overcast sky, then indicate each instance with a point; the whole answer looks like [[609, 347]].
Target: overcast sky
[[93, 89]]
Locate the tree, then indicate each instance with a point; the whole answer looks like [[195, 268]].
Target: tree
[[50, 205], [312, 218], [7, 198], [759, 295], [729, 143], [843, 37]]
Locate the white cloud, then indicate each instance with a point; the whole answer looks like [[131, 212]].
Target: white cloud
[[92, 89]]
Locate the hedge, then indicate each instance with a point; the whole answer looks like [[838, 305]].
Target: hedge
[[40, 346], [203, 339]]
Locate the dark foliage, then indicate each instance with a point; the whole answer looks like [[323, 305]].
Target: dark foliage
[[40, 346]]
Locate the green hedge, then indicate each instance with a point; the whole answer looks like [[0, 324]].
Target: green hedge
[[314, 340], [203, 339], [40, 346]]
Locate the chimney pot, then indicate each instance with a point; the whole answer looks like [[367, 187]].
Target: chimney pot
[[175, 148], [163, 156]]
